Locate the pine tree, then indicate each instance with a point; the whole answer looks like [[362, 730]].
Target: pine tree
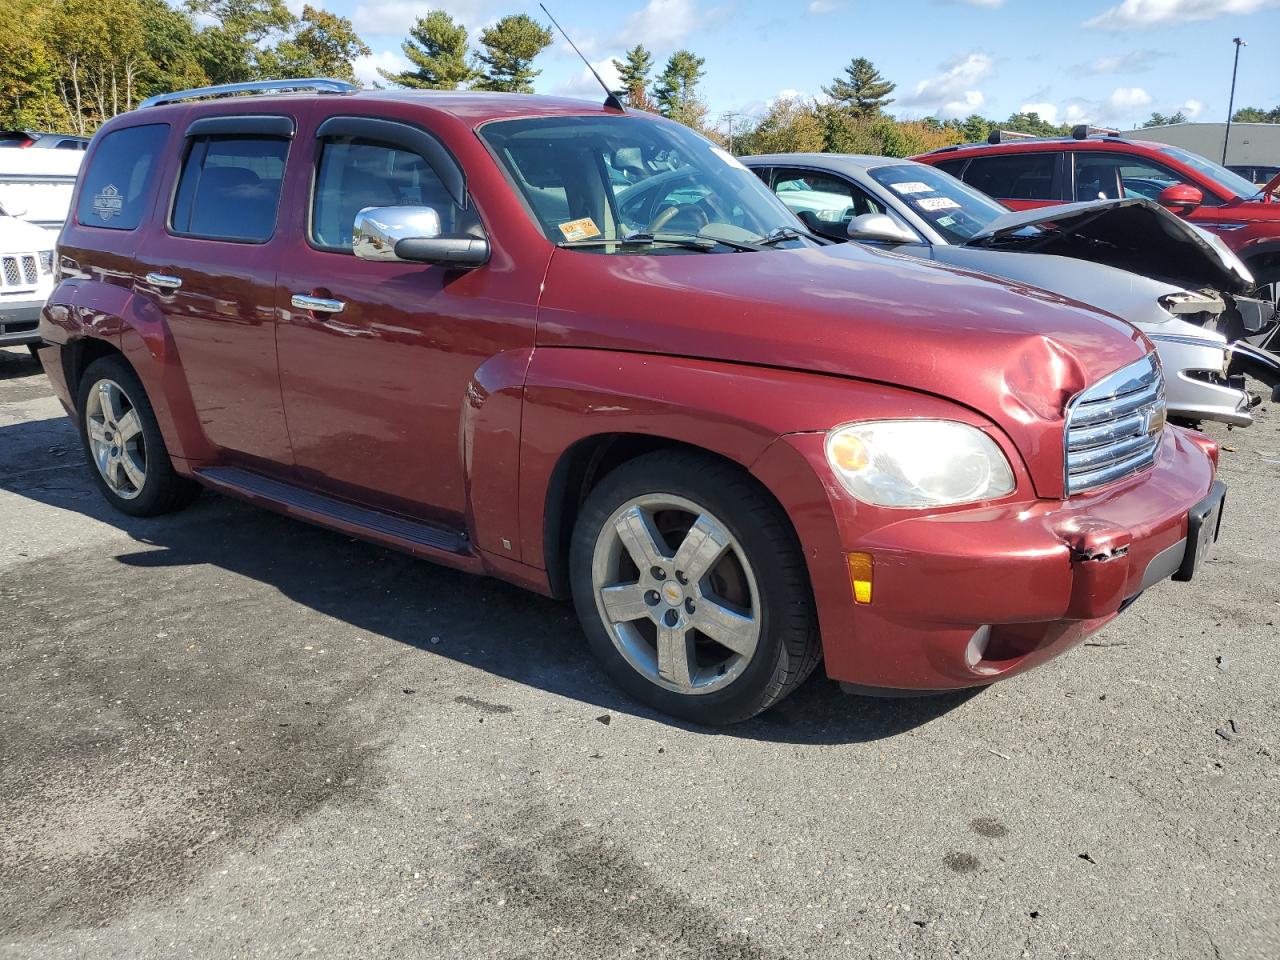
[[510, 47], [634, 73], [865, 92], [437, 47], [677, 94]]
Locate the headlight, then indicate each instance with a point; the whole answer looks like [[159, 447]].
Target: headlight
[[918, 463], [46, 261]]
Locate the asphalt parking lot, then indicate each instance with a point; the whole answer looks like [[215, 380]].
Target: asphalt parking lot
[[227, 734]]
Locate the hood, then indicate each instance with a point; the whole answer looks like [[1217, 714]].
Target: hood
[[1133, 234], [18, 236], [1014, 353]]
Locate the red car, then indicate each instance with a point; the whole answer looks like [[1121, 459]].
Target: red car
[[1024, 172], [588, 352]]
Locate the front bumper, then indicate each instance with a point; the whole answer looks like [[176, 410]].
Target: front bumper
[[19, 320], [970, 595]]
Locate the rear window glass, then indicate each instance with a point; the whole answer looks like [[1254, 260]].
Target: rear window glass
[[230, 189], [1023, 176], [116, 191]]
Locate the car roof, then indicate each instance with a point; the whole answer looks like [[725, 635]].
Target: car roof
[[843, 162], [471, 106], [1040, 144]]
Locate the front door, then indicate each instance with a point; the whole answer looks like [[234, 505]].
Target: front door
[[376, 367], [212, 273]]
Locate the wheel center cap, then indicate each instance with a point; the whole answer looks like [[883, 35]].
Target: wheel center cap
[[672, 593]]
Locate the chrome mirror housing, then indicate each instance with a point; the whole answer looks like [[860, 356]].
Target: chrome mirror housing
[[413, 235], [879, 228], [379, 229]]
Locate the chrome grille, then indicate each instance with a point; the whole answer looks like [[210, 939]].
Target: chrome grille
[[1114, 427], [19, 270]]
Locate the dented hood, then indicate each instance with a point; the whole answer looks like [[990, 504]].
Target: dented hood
[[1012, 352], [1133, 234]]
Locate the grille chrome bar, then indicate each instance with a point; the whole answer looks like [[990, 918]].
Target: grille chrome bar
[[1113, 428]]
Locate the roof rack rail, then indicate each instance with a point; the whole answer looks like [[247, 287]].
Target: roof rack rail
[[1000, 136], [313, 84], [1083, 131]]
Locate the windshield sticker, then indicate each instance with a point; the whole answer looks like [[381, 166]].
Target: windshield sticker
[[937, 203], [583, 229], [728, 158], [108, 203], [914, 186]]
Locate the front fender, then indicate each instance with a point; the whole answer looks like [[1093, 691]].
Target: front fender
[[733, 410]]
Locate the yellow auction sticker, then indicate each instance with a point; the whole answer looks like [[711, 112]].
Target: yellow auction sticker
[[582, 229]]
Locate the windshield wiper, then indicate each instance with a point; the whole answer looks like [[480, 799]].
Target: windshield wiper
[[789, 233], [687, 241]]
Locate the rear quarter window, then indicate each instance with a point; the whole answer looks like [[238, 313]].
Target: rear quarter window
[[116, 192]]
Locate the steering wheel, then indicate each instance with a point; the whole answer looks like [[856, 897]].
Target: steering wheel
[[670, 213]]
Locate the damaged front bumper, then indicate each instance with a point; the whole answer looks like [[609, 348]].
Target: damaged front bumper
[[1198, 382]]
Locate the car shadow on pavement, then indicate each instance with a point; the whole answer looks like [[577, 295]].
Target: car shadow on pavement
[[484, 623]]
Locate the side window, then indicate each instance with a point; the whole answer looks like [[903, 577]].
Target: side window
[[229, 188], [953, 167], [1018, 176], [833, 201], [116, 192], [354, 174], [1121, 175]]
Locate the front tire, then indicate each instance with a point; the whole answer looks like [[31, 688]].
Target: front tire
[[692, 588], [122, 442]]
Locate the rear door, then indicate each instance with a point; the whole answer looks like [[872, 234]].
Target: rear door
[[212, 273]]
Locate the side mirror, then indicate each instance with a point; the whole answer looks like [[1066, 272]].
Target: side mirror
[[412, 235], [880, 228], [1180, 198]]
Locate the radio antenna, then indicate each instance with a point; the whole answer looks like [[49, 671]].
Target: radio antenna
[[611, 99]]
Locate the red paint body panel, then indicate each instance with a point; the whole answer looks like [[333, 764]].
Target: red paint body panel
[[1249, 227], [455, 397]]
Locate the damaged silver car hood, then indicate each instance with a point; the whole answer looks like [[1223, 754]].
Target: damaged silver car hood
[[1132, 234]]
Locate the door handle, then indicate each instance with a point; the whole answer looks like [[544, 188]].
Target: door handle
[[316, 304], [164, 280]]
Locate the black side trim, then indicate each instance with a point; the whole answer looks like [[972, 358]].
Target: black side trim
[[407, 137], [244, 126], [317, 506]]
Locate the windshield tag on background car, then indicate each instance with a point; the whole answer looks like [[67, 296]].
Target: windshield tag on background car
[[937, 203], [583, 229], [914, 186]]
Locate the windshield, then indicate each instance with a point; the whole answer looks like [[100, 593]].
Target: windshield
[[590, 180], [954, 210], [1231, 182]]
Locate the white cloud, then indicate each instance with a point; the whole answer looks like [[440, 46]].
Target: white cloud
[[826, 6], [1192, 109], [664, 24], [1136, 14], [395, 17], [1135, 61], [984, 3], [585, 85], [366, 67], [1123, 101], [953, 92], [1048, 112]]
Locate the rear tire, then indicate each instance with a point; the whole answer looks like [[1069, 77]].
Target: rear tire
[[692, 588], [122, 442]]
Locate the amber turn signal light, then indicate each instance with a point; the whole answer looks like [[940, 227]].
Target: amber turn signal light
[[860, 568]]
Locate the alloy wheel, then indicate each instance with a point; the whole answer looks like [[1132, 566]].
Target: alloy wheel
[[116, 440], [677, 594]]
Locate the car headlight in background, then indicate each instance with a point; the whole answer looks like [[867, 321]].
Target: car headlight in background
[[46, 261], [918, 463]]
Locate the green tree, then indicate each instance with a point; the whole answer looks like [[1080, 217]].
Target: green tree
[[324, 45], [677, 90], [29, 70], [236, 48], [791, 125], [510, 47], [437, 48], [170, 47], [100, 55], [1159, 119], [634, 72], [862, 91], [1032, 123], [1256, 115]]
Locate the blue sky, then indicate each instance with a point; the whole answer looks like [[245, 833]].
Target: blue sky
[[1104, 61]]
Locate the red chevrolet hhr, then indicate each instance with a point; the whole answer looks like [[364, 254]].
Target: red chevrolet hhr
[[585, 350]]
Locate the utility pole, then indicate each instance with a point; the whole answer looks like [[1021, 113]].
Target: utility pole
[[730, 116], [1231, 103]]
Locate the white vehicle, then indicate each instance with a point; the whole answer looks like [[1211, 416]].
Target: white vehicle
[[26, 278], [36, 185]]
